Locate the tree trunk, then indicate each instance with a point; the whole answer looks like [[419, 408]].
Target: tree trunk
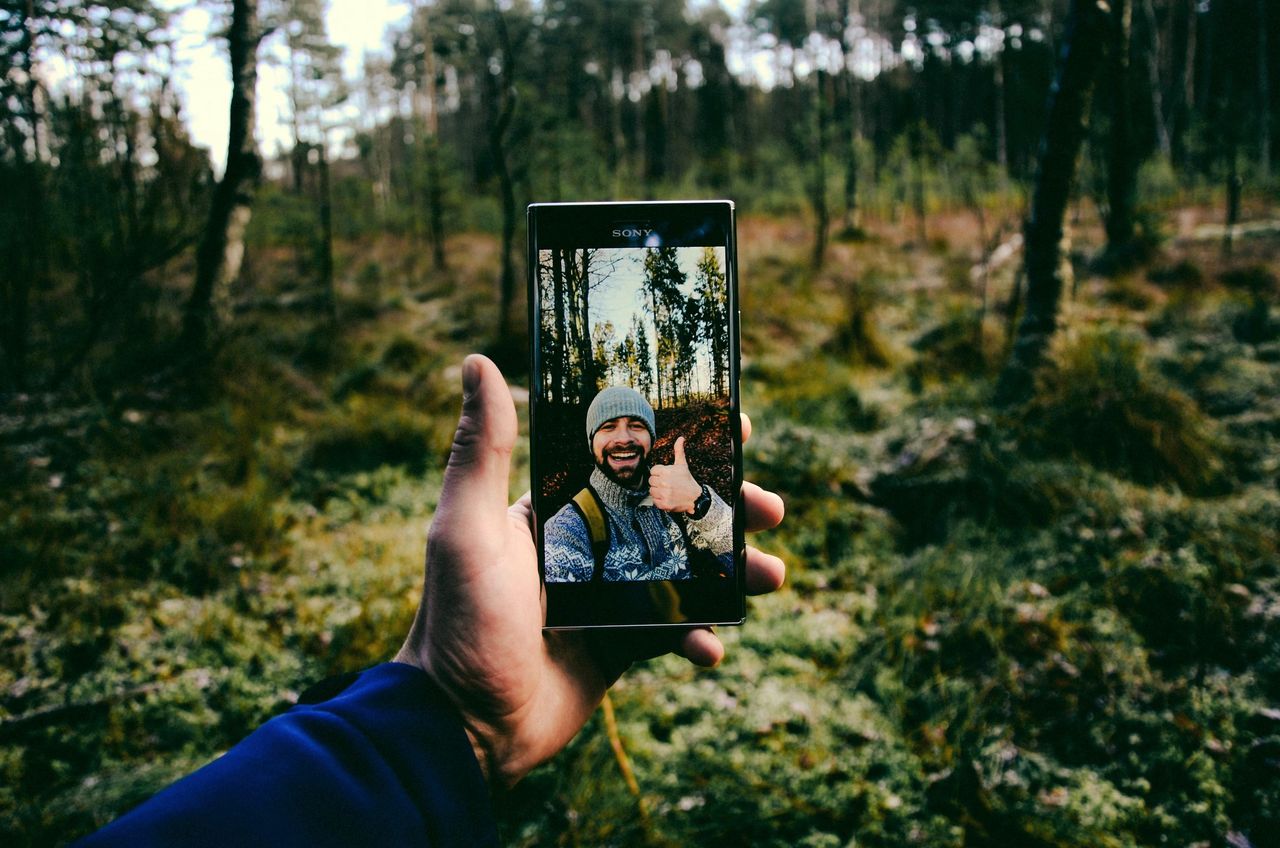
[[221, 249], [559, 361], [328, 294], [852, 140], [818, 189], [1153, 80], [1122, 170], [504, 100], [1264, 96], [1002, 131], [435, 204], [298, 155], [1235, 187], [655, 137], [1182, 86], [1064, 133], [585, 354], [919, 198], [26, 267], [657, 348], [435, 189]]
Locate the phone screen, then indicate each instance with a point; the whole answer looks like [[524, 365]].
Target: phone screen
[[636, 436]]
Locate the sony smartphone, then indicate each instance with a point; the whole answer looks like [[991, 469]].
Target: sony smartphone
[[636, 438]]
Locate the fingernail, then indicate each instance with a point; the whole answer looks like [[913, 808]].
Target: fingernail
[[470, 377]]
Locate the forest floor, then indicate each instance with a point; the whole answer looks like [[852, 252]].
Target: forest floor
[[1055, 624]]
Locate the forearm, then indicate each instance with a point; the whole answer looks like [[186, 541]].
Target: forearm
[[714, 531], [383, 762]]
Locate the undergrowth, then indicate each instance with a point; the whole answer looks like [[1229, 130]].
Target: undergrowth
[[1048, 626]]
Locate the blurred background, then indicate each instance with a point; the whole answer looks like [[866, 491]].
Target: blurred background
[[1011, 348]]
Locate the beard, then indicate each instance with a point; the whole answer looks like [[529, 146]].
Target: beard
[[624, 465]]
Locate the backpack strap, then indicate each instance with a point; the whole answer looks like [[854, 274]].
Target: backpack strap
[[588, 505]]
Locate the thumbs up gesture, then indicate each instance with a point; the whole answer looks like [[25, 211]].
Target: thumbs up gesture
[[672, 487]]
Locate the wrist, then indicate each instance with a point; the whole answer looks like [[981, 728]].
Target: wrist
[[409, 655], [701, 504]]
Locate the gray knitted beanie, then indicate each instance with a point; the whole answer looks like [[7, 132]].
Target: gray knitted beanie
[[615, 402]]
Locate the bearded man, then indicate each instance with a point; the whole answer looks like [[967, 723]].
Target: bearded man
[[633, 521]]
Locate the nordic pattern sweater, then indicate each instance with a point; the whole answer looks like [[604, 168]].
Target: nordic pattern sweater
[[645, 543]]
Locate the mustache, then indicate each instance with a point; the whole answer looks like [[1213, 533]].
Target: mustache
[[627, 448]]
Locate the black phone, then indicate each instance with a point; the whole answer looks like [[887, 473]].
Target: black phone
[[636, 436]]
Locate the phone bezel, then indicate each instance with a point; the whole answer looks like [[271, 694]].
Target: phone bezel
[[691, 223]]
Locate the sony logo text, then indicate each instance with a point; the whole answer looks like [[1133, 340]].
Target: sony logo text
[[631, 232]]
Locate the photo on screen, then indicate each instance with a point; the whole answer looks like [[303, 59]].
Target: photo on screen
[[636, 464]]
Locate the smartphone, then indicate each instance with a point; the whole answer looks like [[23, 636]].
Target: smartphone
[[636, 437]]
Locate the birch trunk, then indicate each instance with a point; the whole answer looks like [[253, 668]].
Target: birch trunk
[[221, 250]]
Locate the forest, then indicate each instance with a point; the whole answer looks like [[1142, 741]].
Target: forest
[[676, 346], [1010, 344]]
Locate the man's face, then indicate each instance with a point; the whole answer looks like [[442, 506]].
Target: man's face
[[620, 447]]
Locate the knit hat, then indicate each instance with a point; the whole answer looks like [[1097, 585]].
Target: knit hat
[[615, 402]]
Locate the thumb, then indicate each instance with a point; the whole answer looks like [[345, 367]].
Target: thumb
[[476, 481], [679, 451]]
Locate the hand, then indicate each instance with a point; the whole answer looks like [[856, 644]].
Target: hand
[[672, 487], [523, 694]]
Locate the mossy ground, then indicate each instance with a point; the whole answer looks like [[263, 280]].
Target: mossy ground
[[1048, 625]]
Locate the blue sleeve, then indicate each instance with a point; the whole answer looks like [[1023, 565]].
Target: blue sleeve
[[384, 762]]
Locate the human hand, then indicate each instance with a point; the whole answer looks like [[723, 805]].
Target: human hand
[[523, 694], [672, 487]]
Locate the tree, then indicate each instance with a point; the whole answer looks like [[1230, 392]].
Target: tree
[[1264, 93], [1122, 162], [500, 76], [1059, 152], [644, 366], [813, 31], [603, 343], [574, 357], [315, 88], [664, 301], [623, 359], [99, 185], [713, 314], [432, 46], [221, 250]]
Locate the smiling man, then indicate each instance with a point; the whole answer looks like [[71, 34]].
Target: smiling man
[[631, 521]]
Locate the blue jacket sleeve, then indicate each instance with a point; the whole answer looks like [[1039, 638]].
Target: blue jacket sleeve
[[385, 761]]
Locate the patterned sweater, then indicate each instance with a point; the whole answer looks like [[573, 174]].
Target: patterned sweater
[[645, 543]]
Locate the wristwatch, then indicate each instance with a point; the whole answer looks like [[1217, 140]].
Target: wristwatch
[[702, 504]]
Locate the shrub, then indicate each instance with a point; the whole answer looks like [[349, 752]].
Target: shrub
[[362, 439], [1181, 274], [402, 354], [1099, 401], [956, 346], [858, 336]]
